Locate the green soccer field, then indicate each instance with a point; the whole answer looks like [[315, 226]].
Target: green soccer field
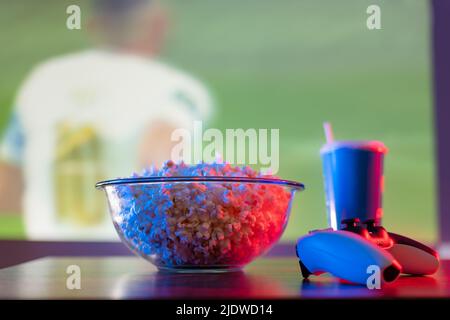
[[286, 64]]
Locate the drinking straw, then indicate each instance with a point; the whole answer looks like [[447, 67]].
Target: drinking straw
[[328, 132]]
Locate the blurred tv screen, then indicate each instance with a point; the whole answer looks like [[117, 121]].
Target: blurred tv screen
[[285, 64]]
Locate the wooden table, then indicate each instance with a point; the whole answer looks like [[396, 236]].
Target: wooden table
[[131, 277]]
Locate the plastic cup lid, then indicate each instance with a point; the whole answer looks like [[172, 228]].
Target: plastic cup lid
[[370, 145]]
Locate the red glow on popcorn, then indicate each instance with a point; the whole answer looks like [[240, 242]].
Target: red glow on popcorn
[[202, 223]]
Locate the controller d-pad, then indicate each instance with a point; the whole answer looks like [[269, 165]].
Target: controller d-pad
[[353, 225]]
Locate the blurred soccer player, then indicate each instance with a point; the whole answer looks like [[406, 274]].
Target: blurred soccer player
[[101, 112]]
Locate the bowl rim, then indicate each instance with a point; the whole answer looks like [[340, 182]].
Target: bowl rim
[[148, 180]]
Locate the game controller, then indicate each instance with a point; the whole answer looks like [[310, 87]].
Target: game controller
[[348, 252], [345, 255], [414, 257]]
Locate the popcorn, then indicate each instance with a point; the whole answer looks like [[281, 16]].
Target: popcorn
[[201, 224]]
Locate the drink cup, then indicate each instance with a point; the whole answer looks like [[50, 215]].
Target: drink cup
[[353, 178]]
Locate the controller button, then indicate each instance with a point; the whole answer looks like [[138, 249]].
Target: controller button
[[369, 223], [352, 222]]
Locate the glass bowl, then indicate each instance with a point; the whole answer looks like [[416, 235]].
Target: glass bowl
[[202, 223]]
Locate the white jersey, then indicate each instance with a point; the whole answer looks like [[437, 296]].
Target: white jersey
[[120, 95]]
